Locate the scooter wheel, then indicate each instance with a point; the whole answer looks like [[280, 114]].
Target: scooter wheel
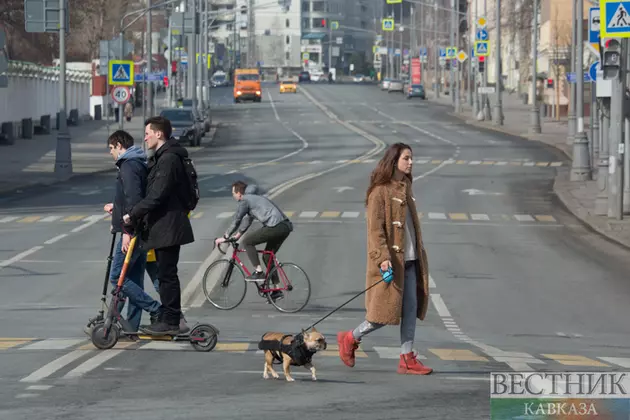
[[98, 336], [209, 336]]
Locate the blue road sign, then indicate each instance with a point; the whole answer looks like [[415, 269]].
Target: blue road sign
[[572, 79], [617, 19], [120, 72], [482, 35], [153, 77], [481, 48], [443, 52], [593, 25], [423, 52], [472, 51], [592, 71]]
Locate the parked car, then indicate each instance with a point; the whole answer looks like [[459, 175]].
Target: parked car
[[395, 86], [385, 83], [416, 91], [185, 125], [204, 118]]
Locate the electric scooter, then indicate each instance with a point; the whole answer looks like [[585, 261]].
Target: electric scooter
[[101, 314], [107, 331]]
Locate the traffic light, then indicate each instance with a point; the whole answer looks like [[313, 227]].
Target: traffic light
[[165, 81], [323, 23], [611, 65], [482, 63]]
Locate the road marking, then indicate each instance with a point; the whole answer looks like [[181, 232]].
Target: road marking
[[440, 306], [431, 281], [523, 217], [333, 350], [573, 360], [197, 215], [73, 218], [91, 364], [458, 216], [458, 355], [479, 217], [308, 214], [54, 366], [9, 343], [165, 345], [545, 218], [9, 219], [51, 218], [392, 353], [19, 256], [55, 239], [53, 344], [29, 219], [92, 221], [225, 215], [232, 347], [330, 214], [350, 214], [437, 216], [26, 395], [621, 361], [38, 387]]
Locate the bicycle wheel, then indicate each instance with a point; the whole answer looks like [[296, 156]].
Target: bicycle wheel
[[294, 285], [221, 278]]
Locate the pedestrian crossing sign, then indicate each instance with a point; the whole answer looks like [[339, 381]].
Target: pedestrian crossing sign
[[120, 73], [388, 24], [451, 52], [482, 48], [615, 18]]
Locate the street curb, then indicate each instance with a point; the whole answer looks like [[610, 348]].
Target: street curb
[[54, 181], [601, 227]]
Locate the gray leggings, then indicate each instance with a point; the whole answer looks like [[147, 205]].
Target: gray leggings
[[409, 312]]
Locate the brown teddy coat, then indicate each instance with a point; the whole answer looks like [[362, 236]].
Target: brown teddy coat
[[386, 217]]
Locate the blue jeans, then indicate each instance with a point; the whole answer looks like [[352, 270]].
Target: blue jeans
[[133, 286]]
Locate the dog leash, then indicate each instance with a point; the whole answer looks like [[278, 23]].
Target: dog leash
[[344, 304]]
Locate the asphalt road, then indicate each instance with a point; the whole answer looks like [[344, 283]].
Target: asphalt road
[[517, 283]]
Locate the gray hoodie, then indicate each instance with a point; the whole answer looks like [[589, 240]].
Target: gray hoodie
[[258, 207]]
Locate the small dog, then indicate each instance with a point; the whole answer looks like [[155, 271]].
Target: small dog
[[291, 350]]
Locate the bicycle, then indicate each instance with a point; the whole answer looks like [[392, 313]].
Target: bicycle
[[215, 279]]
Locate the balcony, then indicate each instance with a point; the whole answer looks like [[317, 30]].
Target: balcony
[[223, 3]]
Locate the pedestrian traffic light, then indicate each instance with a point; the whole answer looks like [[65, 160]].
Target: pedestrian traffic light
[[323, 23], [611, 65], [165, 81]]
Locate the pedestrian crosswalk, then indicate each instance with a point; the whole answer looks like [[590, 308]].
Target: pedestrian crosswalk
[[247, 348], [296, 215], [502, 162]]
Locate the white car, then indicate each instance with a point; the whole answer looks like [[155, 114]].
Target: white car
[[358, 78]]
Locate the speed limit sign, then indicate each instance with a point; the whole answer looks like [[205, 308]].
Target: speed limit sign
[[121, 94]]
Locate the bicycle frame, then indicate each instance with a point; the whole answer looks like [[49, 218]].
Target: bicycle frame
[[264, 287]]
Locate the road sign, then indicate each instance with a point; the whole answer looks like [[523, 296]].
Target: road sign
[[592, 71], [616, 19], [388, 24], [397, 52], [44, 16], [593, 25], [481, 35], [451, 52], [305, 56], [482, 48], [462, 56], [121, 94], [422, 52], [485, 89], [481, 22], [334, 25], [339, 40], [120, 73], [443, 52]]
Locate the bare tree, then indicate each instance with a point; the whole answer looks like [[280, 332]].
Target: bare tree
[[560, 41]]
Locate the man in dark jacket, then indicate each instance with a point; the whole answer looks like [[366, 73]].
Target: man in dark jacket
[[164, 216], [130, 189]]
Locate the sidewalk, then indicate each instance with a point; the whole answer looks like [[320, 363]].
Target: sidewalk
[[31, 162], [578, 197]]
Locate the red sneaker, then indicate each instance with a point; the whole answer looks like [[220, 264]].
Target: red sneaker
[[347, 346], [409, 365]]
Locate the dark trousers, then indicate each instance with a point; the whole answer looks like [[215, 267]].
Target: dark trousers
[[170, 292], [273, 236]]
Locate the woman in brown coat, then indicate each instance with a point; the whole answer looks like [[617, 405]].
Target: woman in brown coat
[[394, 240]]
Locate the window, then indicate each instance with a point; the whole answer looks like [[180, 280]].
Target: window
[[319, 23], [306, 6], [247, 77], [243, 10], [287, 23], [228, 27], [319, 6], [288, 55], [288, 40], [305, 24]]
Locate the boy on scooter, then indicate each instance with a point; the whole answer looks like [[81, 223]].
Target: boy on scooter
[[130, 189]]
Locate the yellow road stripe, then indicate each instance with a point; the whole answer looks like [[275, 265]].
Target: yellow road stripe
[[197, 215], [458, 354], [488, 162], [74, 218], [333, 350], [330, 214], [515, 163], [574, 360], [289, 213], [10, 343], [436, 162], [461, 162], [545, 218], [458, 216], [232, 347], [29, 219], [542, 163]]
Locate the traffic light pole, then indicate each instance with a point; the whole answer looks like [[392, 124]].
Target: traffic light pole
[[63, 155], [535, 112], [498, 106], [615, 170], [572, 86]]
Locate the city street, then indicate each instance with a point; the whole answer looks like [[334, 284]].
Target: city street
[[517, 282]]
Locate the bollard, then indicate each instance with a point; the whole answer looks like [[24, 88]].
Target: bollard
[[44, 123], [98, 111], [7, 133], [27, 128], [73, 117]]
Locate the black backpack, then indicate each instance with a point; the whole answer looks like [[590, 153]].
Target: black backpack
[[191, 194]]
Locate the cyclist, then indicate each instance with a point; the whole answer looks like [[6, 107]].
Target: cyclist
[[276, 228]]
